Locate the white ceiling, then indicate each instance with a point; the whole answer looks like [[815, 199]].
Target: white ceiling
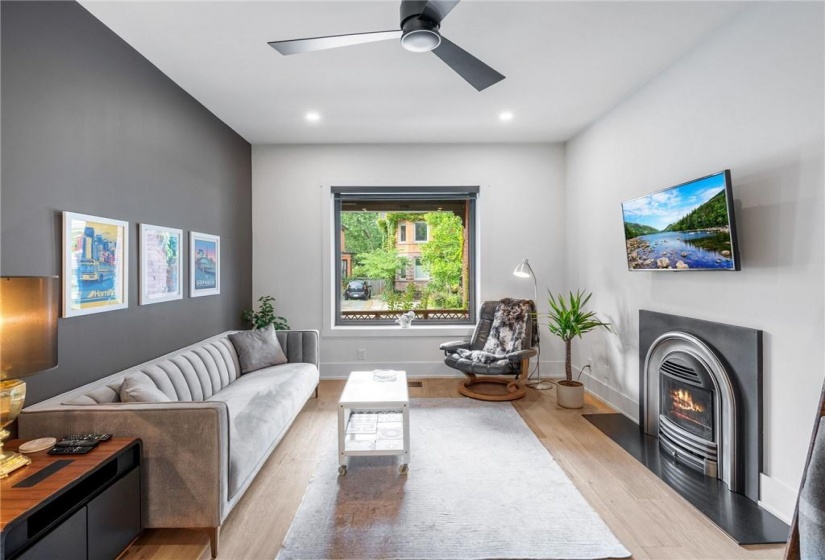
[[567, 63]]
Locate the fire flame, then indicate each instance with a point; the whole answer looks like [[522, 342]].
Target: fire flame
[[683, 400]]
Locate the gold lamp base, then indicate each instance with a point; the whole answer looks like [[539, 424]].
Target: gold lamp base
[[12, 396], [10, 462]]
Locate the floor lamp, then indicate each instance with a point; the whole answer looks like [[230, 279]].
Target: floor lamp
[[524, 270], [28, 345]]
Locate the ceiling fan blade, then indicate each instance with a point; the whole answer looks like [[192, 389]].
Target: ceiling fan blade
[[298, 46], [478, 74], [436, 10]]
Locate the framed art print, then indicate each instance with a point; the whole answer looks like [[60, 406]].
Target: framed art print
[[161, 264], [95, 258], [204, 264]]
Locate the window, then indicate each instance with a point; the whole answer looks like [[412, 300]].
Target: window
[[420, 232], [375, 223], [420, 270]]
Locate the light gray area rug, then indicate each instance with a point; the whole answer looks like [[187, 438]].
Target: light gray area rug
[[480, 485]]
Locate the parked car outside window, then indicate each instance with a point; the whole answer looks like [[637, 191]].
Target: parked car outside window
[[357, 289]]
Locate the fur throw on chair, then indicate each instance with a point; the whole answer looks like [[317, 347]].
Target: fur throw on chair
[[507, 332]]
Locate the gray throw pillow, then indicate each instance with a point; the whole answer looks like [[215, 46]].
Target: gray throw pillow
[[258, 349], [139, 388]]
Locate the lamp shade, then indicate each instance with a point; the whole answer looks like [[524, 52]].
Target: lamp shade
[[524, 270], [28, 325]]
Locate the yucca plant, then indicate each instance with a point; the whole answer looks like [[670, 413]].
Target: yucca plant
[[567, 319]]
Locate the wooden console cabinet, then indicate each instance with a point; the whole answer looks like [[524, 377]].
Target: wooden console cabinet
[[84, 507]]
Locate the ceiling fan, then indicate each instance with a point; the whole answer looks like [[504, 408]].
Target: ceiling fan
[[420, 25]]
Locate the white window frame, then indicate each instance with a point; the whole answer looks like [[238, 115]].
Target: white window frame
[[421, 266]]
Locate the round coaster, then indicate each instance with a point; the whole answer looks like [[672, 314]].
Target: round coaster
[[36, 445]]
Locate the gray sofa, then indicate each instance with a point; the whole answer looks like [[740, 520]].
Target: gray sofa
[[203, 448]]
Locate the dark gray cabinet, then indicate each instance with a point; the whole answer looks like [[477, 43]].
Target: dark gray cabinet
[[110, 523], [69, 538], [84, 507]]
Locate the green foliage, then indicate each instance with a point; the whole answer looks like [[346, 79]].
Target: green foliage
[[265, 315], [392, 298], [380, 264], [424, 302], [567, 319], [443, 254], [444, 300], [713, 213], [408, 299], [632, 230], [362, 232]]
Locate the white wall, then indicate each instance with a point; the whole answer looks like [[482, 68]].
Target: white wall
[[520, 214], [749, 98]]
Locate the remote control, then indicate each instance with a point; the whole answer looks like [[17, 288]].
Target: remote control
[[79, 450], [76, 443], [89, 437]]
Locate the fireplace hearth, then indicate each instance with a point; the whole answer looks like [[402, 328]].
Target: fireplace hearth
[[700, 412]]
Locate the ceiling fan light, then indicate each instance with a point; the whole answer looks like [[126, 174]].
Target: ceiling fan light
[[420, 40]]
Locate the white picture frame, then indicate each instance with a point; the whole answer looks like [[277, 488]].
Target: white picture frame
[[161, 264], [204, 264], [95, 264]]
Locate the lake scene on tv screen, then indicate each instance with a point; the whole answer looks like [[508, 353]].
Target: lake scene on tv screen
[[681, 228]]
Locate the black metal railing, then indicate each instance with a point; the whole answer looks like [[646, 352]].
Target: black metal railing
[[450, 315]]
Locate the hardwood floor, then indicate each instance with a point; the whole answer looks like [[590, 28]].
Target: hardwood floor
[[650, 519]]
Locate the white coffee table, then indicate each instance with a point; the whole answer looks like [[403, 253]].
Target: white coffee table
[[374, 419]]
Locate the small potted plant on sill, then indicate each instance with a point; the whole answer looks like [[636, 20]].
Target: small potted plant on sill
[[567, 320]]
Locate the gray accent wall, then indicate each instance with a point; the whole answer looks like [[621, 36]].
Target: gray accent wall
[[90, 126]]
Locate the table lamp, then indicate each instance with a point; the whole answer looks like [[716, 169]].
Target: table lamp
[[28, 345], [524, 270]]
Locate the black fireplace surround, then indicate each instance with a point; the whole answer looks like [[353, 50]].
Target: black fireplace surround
[[691, 397], [739, 351]]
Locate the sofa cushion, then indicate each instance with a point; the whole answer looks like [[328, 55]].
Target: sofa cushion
[[258, 349], [140, 388], [104, 394], [261, 406], [196, 374]]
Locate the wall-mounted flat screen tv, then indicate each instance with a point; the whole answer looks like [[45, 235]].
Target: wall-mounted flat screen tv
[[687, 227]]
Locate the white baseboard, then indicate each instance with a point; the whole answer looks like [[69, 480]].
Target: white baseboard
[[777, 497], [611, 396], [340, 370]]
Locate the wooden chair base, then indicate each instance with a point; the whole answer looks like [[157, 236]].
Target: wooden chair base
[[512, 390]]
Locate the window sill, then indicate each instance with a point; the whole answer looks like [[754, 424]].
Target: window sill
[[390, 331]]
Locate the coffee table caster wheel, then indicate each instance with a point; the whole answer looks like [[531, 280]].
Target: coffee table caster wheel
[[342, 470], [404, 469]]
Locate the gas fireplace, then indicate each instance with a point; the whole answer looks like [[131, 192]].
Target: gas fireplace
[[700, 413], [691, 406]]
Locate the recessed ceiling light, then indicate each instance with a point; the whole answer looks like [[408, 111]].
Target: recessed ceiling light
[[313, 116], [505, 116]]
